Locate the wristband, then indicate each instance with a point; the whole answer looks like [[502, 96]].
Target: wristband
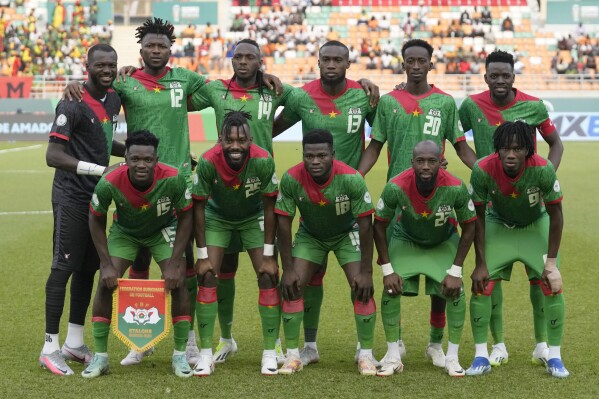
[[90, 169], [387, 269], [455, 271], [202, 253], [269, 250]]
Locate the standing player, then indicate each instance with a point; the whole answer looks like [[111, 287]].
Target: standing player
[[336, 210], [246, 90], [81, 142], [482, 113], [153, 205], [341, 106], [404, 118], [424, 241], [235, 187], [525, 208]]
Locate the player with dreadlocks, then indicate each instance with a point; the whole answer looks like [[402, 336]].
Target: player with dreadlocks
[[525, 199], [234, 192]]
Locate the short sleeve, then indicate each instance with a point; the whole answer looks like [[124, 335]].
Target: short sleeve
[[200, 99], [552, 192], [478, 186], [453, 132], [386, 205], [285, 200], [269, 175], [101, 198], [287, 90], [464, 114], [292, 106], [65, 120], [202, 180], [183, 199], [464, 206], [361, 201], [379, 131]]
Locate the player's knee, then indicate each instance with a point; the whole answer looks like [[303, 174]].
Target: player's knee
[[317, 278], [58, 279], [209, 280], [266, 281], [230, 263]]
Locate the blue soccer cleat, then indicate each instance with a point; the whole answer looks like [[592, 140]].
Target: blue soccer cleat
[[556, 368], [480, 366]]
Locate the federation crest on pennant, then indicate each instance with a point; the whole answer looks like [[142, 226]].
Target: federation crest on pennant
[[141, 313]]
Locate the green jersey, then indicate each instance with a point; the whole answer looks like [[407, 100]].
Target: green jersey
[[142, 214], [426, 221], [234, 194], [515, 201], [342, 115], [326, 210], [227, 95], [480, 114], [159, 104], [404, 120]]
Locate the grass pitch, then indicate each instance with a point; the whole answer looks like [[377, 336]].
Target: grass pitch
[[25, 255]]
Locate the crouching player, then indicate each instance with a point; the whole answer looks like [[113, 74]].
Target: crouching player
[[336, 210], [424, 241], [145, 193], [234, 191], [523, 224]]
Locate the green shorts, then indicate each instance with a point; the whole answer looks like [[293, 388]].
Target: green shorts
[[410, 260], [505, 245], [237, 235], [346, 247], [127, 246]]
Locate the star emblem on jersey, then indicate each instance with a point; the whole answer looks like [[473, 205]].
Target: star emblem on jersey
[[156, 89], [332, 114], [424, 214], [415, 112], [244, 98], [236, 187], [498, 124], [105, 120], [144, 207], [322, 203], [514, 195]]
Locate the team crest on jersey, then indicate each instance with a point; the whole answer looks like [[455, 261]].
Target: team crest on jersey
[[61, 120], [175, 85], [164, 205], [354, 111], [434, 112]]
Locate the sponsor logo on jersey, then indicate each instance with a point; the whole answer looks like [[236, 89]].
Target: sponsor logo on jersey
[[520, 120], [444, 208], [61, 120], [266, 98], [532, 190], [434, 112], [354, 111], [175, 85], [251, 180], [342, 197]]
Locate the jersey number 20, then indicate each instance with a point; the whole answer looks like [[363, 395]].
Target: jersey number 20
[[432, 125]]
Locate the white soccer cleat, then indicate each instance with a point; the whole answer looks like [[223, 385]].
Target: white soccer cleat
[[80, 355], [453, 368], [224, 350], [366, 365], [55, 363], [134, 357], [389, 367], [498, 356], [192, 354], [181, 367], [269, 364], [98, 367], [402, 353], [309, 355], [292, 365], [436, 355], [204, 366], [540, 356]]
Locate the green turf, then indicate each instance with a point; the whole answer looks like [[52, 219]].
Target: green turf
[[25, 254]]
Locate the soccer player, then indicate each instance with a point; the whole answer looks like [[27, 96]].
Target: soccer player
[[424, 241], [525, 199], [341, 106], [153, 205], [482, 113], [81, 142], [235, 189], [245, 90], [336, 210], [404, 118]]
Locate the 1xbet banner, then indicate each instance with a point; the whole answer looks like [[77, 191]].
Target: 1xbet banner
[[142, 309]]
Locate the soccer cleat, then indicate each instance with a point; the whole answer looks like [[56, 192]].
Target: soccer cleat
[[366, 365], [55, 363], [389, 367], [436, 355], [453, 368], [280, 354], [224, 350], [479, 366], [80, 355], [192, 354], [204, 367], [402, 353], [96, 368], [181, 367], [539, 357], [376, 362], [309, 355], [292, 364], [269, 364], [556, 368], [498, 356], [134, 357]]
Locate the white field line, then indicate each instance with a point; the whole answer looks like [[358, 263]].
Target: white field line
[[28, 213], [28, 171], [17, 149]]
